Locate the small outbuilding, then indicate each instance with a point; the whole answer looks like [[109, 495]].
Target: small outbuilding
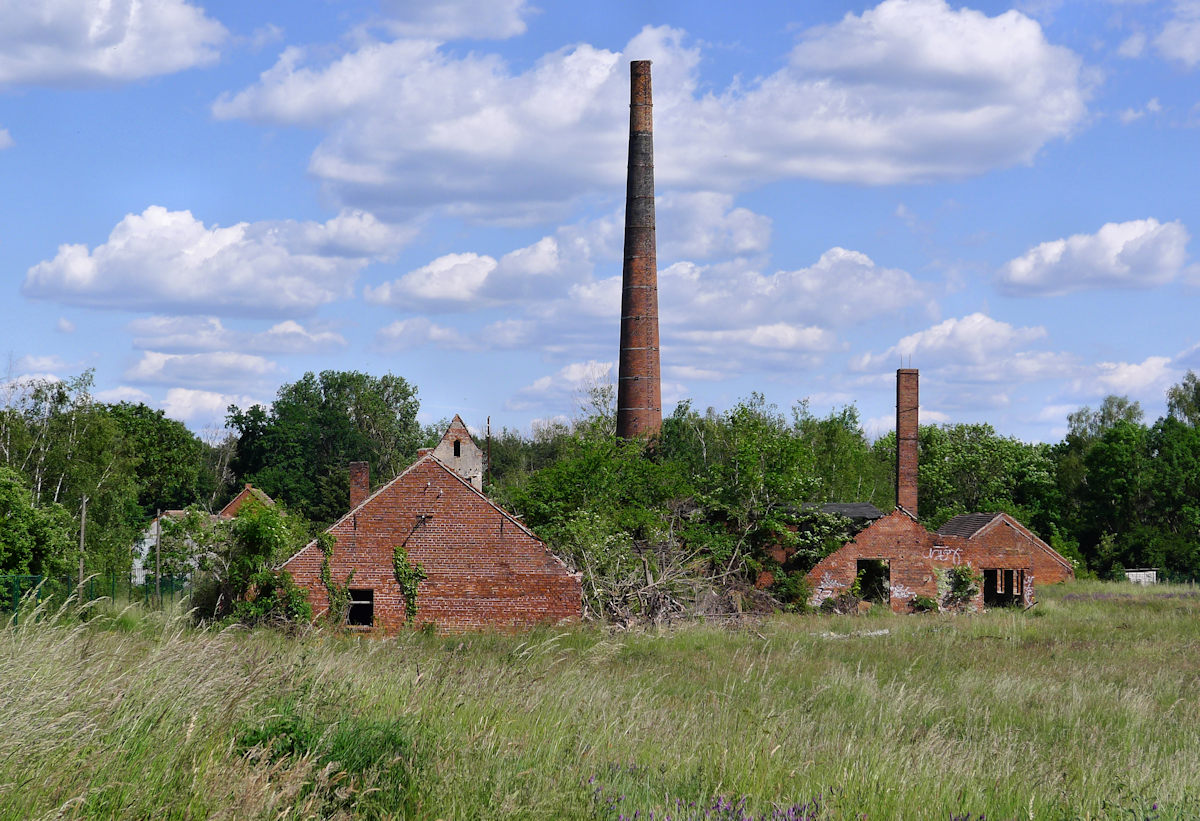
[[478, 566], [895, 558]]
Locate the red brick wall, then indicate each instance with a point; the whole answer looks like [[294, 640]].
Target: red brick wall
[[906, 439], [1049, 567], [915, 555], [483, 570]]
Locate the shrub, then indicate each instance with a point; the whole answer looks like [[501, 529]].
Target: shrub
[[924, 604]]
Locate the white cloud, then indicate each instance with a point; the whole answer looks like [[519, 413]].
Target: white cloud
[[572, 381], [779, 336], [81, 42], [449, 279], [123, 393], [170, 261], [174, 334], [1134, 254], [6, 140], [198, 407], [832, 291], [1150, 377], [1180, 38], [31, 363], [201, 370], [451, 19], [64, 326], [1129, 115], [978, 341], [1133, 45], [704, 224], [406, 334], [911, 90]]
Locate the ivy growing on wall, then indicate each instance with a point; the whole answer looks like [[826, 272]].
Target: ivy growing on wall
[[408, 576], [339, 594]]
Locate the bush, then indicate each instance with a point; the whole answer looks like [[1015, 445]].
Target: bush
[[924, 604]]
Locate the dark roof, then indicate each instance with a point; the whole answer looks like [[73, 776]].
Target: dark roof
[[966, 524], [853, 510]]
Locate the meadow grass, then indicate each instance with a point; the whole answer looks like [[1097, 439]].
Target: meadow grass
[[1086, 706]]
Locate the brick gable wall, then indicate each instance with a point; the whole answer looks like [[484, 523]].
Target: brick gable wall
[[915, 555], [483, 569]]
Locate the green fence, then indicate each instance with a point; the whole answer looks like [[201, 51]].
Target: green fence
[[119, 588]]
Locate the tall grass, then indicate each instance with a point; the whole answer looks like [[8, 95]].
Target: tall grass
[[1087, 706]]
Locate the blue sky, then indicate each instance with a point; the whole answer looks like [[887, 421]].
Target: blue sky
[[202, 202]]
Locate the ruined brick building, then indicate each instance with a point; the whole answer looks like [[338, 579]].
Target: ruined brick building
[[907, 560], [483, 568]]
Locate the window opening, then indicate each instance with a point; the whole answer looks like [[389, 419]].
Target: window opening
[[875, 580], [1001, 588], [457, 448], [362, 607]]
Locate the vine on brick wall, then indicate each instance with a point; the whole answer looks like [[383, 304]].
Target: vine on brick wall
[[339, 594], [408, 576]]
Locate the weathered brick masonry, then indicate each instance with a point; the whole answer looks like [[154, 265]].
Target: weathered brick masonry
[[1004, 552], [484, 569]]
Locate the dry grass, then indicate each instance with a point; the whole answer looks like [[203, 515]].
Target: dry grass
[[1081, 708]]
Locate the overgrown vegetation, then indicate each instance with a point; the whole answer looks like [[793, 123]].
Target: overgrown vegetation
[[1084, 707]]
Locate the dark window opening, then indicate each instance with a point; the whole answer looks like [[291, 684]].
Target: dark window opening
[[875, 580], [1002, 588], [457, 448], [362, 608]]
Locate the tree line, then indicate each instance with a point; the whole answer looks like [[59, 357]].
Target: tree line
[[719, 504]]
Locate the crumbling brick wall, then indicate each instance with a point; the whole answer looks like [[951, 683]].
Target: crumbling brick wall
[[916, 557], [483, 569]]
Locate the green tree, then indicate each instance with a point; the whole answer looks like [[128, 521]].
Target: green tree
[[1183, 400], [33, 540], [172, 470], [299, 450]]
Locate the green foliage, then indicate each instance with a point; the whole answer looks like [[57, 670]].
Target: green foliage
[[1183, 400], [299, 450], [375, 763], [172, 469], [962, 585], [235, 577], [33, 540], [408, 576], [924, 604], [337, 594]]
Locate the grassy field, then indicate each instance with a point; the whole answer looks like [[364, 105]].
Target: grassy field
[[1087, 706]]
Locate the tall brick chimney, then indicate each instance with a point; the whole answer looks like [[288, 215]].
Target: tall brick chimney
[[360, 483], [639, 396], [906, 439]]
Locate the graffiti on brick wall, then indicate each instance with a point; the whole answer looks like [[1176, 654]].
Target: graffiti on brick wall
[[902, 593], [828, 586], [1028, 591], [940, 553]]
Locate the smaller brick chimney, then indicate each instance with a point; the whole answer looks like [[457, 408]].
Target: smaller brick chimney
[[906, 439], [360, 483]]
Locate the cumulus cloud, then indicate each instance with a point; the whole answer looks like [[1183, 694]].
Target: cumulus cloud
[[6, 140], [911, 90], [175, 334], [201, 370], [31, 363], [572, 381], [974, 348], [452, 19], [200, 407], [406, 334], [1150, 377], [1179, 39], [1134, 254], [170, 261], [82, 42], [64, 326]]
